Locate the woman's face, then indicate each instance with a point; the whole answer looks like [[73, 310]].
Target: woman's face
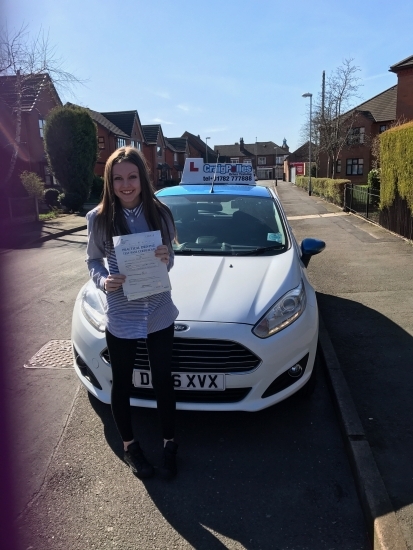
[[127, 184]]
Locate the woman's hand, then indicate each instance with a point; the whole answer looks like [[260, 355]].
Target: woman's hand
[[114, 282], [162, 253]]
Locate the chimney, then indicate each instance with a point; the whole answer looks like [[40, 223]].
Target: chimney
[[241, 144]]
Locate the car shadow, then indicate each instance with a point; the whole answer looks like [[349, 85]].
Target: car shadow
[[375, 355], [278, 478]]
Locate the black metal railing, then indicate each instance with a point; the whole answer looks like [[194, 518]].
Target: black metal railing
[[362, 200]]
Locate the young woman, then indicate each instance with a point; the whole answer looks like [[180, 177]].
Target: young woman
[[130, 206]]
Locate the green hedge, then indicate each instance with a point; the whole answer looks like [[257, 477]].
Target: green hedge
[[396, 157], [329, 189]]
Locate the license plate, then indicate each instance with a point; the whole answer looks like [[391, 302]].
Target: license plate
[[210, 381]]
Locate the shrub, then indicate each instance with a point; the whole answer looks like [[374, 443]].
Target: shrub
[[73, 202], [330, 189], [373, 179], [70, 140], [396, 153], [51, 196], [97, 187], [33, 184]]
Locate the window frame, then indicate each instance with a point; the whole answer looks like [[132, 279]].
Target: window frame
[[354, 166], [42, 124]]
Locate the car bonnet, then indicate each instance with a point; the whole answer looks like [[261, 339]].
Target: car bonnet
[[232, 289]]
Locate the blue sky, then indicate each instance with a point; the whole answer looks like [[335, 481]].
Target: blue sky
[[221, 69]]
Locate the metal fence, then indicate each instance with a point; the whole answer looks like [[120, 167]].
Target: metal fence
[[362, 200]]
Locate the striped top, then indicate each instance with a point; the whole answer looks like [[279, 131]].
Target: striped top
[[134, 318]]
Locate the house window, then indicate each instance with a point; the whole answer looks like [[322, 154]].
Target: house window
[[159, 151], [120, 142], [234, 160], [262, 160], [383, 128], [176, 158], [101, 142], [338, 167], [247, 161], [354, 167], [356, 135], [42, 124], [132, 143], [138, 145], [48, 176]]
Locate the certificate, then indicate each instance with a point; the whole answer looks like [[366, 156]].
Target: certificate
[[145, 273]]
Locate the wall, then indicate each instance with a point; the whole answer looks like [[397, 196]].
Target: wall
[[405, 94]]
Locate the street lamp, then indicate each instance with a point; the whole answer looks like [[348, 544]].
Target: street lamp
[[309, 145], [206, 149]]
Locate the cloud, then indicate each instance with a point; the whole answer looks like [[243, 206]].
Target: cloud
[[161, 121], [188, 108], [381, 75], [165, 95], [214, 130]]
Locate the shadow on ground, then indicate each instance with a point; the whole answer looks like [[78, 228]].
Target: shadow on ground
[[28, 234], [376, 358], [274, 479]]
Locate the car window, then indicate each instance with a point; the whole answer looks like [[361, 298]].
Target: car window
[[226, 224]]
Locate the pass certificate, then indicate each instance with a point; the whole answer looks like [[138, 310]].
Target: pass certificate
[[145, 273]]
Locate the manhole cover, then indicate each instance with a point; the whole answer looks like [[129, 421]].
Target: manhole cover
[[56, 354]]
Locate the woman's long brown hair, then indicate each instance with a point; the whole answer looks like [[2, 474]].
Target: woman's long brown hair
[[110, 218]]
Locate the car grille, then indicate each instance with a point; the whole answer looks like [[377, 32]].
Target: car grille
[[195, 354], [230, 395]]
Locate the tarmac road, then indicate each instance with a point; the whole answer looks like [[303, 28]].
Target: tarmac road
[[275, 479]]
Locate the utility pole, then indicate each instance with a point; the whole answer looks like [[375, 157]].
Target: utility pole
[[309, 143]]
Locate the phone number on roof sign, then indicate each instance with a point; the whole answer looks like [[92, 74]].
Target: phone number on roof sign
[[227, 178]]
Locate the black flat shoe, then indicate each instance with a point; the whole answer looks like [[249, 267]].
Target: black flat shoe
[[137, 462], [168, 469]]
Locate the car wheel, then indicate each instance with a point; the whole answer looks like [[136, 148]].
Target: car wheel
[[308, 389]]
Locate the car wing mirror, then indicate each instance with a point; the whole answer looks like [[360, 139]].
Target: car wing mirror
[[311, 247]]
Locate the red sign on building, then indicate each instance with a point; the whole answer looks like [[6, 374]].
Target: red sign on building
[[299, 168]]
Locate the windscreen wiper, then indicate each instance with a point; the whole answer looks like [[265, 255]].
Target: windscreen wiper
[[260, 250]]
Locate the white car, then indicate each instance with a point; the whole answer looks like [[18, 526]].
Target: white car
[[247, 331]]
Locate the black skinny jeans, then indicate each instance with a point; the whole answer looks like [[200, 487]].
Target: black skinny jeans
[[122, 353]]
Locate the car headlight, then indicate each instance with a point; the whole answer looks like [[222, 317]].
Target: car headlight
[[284, 312], [92, 308]]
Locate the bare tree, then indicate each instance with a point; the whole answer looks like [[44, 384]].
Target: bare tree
[[26, 58], [332, 118]]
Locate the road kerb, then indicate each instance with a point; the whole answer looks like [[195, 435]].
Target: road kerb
[[384, 529]]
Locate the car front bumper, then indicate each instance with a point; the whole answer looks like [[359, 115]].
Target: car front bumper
[[277, 354]]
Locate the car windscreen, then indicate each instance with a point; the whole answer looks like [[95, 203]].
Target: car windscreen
[[226, 225]]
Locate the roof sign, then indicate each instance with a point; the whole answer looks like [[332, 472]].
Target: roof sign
[[200, 173]]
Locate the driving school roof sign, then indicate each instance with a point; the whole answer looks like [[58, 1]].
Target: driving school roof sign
[[198, 172]]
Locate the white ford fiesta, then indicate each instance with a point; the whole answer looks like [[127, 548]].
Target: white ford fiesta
[[247, 331]]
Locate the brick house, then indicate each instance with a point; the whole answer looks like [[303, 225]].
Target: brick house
[[266, 157], [373, 117], [177, 150], [38, 98], [404, 102], [199, 149], [154, 146], [297, 162], [130, 124]]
